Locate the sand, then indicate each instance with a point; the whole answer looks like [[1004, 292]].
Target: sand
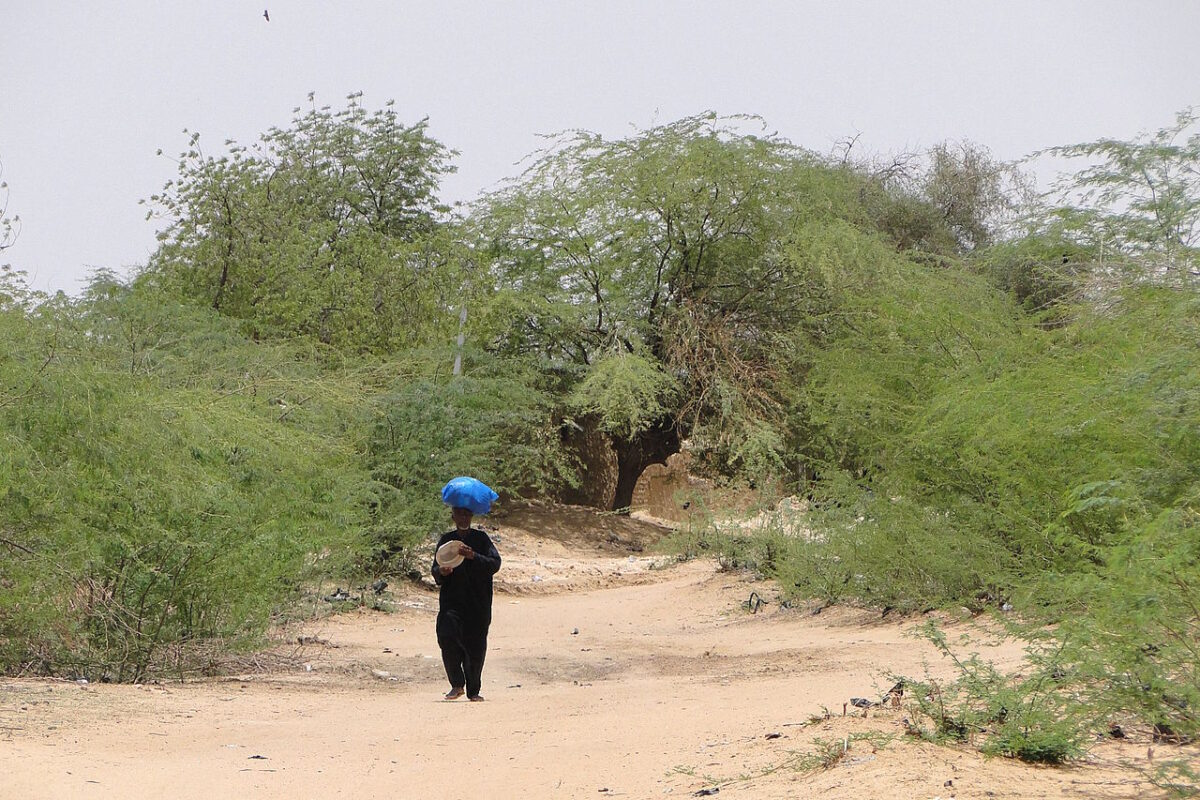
[[611, 672]]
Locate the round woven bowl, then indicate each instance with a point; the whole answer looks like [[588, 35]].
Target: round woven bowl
[[448, 555]]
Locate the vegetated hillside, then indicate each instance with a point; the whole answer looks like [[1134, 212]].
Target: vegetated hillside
[[986, 408]]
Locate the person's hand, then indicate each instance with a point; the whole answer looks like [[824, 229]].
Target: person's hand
[[446, 570], [465, 551]]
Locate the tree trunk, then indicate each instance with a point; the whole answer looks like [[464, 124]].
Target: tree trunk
[[652, 446]]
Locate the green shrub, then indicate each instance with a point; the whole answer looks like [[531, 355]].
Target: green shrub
[[1137, 646], [957, 476], [1031, 717], [495, 423], [144, 520]]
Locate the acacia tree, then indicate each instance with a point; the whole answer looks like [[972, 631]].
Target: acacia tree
[[953, 198], [653, 273], [1140, 198], [9, 226], [327, 228], [15, 293], [974, 194]]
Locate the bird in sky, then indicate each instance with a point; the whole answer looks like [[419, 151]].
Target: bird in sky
[[266, 16]]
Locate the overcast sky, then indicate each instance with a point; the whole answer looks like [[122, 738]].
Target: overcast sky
[[89, 90]]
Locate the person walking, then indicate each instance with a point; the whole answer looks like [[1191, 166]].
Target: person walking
[[463, 568]]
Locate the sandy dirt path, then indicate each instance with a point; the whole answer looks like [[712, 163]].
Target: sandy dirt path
[[610, 673]]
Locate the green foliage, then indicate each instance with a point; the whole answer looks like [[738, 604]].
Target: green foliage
[[1044, 271], [975, 195], [1137, 649], [1140, 199], [10, 227], [897, 554], [671, 248], [1006, 454], [953, 198], [494, 423], [1177, 777], [1029, 717], [626, 392], [828, 753], [146, 516], [972, 455], [894, 333], [328, 228]]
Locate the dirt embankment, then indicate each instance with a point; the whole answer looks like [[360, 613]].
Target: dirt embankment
[[612, 671]]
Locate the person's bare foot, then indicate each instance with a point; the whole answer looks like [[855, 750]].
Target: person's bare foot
[[455, 693], [476, 699]]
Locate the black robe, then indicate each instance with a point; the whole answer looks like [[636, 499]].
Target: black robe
[[465, 609]]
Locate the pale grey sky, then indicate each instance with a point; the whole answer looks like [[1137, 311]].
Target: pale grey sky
[[89, 89]]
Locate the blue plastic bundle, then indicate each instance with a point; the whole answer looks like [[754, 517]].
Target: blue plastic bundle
[[469, 493]]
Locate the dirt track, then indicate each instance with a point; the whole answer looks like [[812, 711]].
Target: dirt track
[[610, 673]]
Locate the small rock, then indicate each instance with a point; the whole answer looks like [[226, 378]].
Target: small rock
[[307, 640], [774, 735], [82, 681], [575, 631], [1162, 732], [379, 673]]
